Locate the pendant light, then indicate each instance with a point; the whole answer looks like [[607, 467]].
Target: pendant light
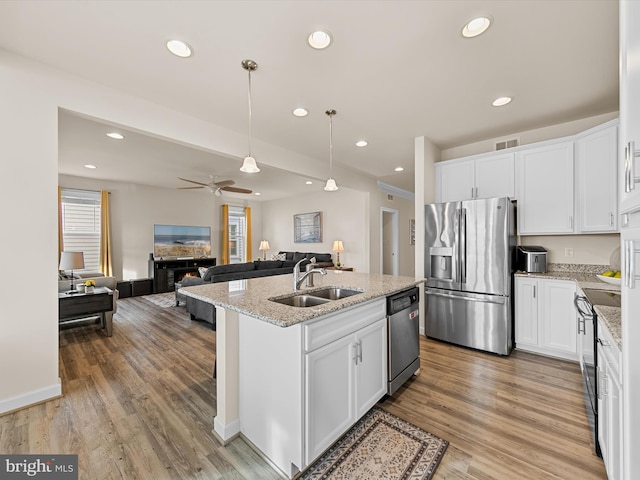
[[249, 164], [331, 183]]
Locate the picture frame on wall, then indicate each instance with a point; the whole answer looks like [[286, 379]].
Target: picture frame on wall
[[307, 227]]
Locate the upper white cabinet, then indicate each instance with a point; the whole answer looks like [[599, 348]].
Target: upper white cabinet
[[629, 155], [544, 187], [485, 177], [597, 180]]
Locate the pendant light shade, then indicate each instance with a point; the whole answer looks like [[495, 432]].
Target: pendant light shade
[[331, 183], [249, 165]]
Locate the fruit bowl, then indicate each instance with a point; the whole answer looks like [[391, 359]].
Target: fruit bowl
[[611, 280]]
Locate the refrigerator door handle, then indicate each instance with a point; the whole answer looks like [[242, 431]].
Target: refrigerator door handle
[[470, 297], [463, 245]]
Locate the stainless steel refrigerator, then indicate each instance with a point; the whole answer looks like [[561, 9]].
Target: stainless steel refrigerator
[[469, 261]]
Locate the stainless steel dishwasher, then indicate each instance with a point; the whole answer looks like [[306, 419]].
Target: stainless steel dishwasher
[[403, 338]]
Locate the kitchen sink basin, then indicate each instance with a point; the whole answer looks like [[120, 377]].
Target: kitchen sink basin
[[301, 301], [334, 293]]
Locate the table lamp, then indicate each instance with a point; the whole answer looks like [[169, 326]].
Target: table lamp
[[264, 246], [71, 261], [338, 247]]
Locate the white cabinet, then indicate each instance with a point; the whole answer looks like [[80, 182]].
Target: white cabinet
[[344, 379], [485, 177], [597, 180], [546, 320], [610, 406], [629, 155], [303, 386], [544, 188]]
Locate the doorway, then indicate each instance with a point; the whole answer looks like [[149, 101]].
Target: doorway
[[389, 241]]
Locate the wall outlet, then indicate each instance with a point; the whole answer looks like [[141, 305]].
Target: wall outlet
[[568, 252]]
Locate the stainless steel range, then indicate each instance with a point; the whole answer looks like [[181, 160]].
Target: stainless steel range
[[588, 349]]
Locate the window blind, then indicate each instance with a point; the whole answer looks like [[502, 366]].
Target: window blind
[[81, 225]]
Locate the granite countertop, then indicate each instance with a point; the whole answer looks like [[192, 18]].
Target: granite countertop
[[251, 296], [585, 277]]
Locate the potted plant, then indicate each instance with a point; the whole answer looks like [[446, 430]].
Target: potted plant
[[89, 286]]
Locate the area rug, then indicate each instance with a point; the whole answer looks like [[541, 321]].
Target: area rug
[[164, 300], [380, 446]]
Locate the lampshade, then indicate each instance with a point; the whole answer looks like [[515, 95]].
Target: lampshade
[[331, 185], [71, 261], [338, 246], [249, 165], [264, 245]]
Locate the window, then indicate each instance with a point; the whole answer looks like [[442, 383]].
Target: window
[[81, 225], [237, 235]]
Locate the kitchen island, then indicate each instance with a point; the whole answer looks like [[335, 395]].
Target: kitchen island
[[290, 379]]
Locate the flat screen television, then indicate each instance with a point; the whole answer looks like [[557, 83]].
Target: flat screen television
[[181, 241]]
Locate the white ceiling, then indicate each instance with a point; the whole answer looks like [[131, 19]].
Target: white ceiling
[[396, 70]]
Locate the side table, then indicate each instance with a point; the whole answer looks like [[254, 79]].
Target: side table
[[344, 269], [72, 308]]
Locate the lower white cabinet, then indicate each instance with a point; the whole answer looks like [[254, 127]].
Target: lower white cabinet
[[545, 318], [610, 413], [303, 386], [344, 379]]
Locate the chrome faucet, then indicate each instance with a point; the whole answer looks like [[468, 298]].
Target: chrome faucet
[[298, 278]]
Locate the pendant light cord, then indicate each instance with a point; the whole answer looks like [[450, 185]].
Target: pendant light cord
[[250, 116], [331, 146]]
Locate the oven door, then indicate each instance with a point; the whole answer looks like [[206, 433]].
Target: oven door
[[586, 347]]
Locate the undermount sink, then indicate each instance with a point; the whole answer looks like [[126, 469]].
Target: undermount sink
[[334, 293], [317, 297], [300, 301]]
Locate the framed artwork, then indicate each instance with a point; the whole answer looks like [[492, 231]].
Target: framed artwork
[[307, 227], [412, 232]]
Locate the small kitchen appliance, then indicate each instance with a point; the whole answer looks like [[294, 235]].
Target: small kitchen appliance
[[531, 259]]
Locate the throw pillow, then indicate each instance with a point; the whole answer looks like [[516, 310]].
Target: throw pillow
[[202, 271], [279, 256]]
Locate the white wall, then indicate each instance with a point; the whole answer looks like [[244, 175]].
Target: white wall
[[345, 215], [30, 95]]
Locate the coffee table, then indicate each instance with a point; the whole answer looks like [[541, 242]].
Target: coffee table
[[77, 306]]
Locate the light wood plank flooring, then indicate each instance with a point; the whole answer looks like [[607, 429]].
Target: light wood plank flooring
[[140, 405]]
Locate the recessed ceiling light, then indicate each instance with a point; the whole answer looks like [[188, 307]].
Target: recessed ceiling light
[[301, 112], [257, 193], [115, 135], [399, 169], [361, 143], [309, 182], [499, 102], [90, 166], [475, 27], [179, 48], [319, 39]]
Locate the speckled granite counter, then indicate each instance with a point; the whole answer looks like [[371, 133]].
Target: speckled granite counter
[[585, 277], [251, 296]]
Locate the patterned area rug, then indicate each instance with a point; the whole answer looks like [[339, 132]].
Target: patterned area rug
[[164, 300], [380, 446]]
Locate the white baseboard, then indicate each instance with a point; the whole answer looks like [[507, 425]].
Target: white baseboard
[[226, 433], [31, 398]]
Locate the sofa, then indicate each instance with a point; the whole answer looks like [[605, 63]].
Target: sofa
[[281, 264]]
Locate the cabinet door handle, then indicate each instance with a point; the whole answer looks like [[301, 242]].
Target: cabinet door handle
[[611, 219], [629, 253], [581, 326], [571, 222], [360, 350], [630, 179], [472, 189], [534, 291], [355, 352]]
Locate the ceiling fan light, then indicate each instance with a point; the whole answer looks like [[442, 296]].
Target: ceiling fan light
[[249, 165], [331, 185], [218, 192]]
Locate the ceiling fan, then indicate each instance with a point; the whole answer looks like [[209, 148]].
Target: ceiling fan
[[215, 187]]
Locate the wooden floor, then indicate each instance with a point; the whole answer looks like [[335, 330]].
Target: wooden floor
[[140, 405]]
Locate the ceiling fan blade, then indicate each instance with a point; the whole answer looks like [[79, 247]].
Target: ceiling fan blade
[[236, 190], [188, 188], [193, 181], [224, 183]]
